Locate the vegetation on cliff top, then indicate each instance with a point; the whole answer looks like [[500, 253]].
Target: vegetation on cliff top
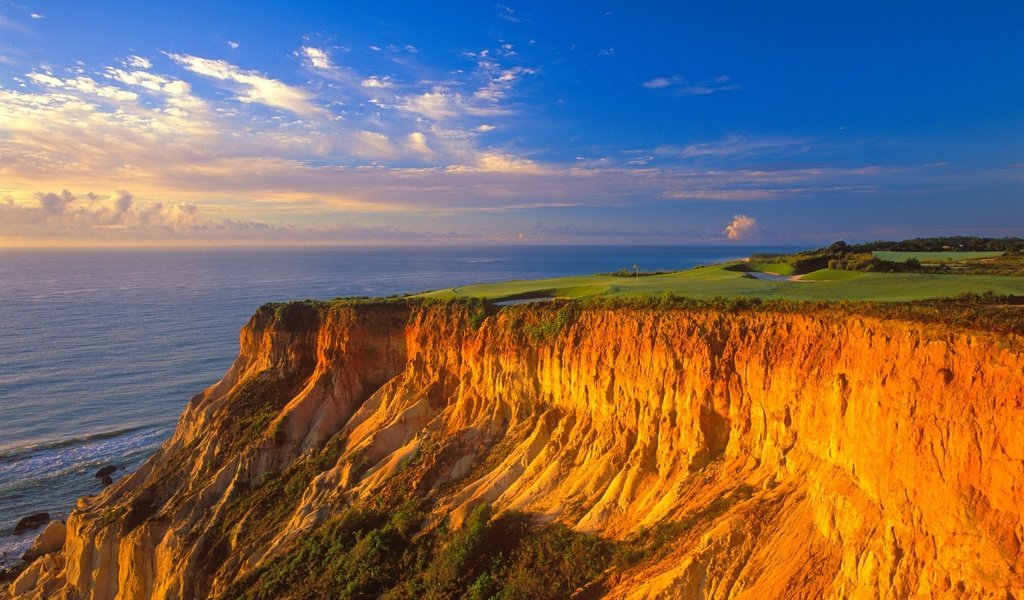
[[999, 313], [971, 256], [929, 268]]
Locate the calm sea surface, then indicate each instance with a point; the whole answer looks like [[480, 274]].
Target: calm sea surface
[[100, 349]]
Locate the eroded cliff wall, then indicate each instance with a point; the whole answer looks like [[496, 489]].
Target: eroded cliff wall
[[798, 454]]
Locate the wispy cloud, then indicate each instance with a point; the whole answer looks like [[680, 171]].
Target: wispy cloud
[[494, 82], [139, 62], [739, 146], [403, 146], [375, 144], [83, 84], [316, 58], [680, 86], [441, 103], [417, 142], [253, 87], [375, 81], [63, 211], [500, 80], [503, 163], [508, 14], [119, 216], [6, 23]]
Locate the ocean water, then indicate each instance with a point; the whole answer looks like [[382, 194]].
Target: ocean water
[[101, 349]]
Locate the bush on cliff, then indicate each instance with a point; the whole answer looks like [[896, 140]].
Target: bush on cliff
[[366, 553]]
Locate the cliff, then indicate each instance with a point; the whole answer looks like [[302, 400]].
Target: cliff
[[666, 452]]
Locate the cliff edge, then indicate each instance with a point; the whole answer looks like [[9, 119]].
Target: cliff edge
[[404, 449]]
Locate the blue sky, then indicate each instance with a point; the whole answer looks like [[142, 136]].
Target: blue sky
[[606, 122]]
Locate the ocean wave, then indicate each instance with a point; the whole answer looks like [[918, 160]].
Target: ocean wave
[[82, 455], [16, 452]]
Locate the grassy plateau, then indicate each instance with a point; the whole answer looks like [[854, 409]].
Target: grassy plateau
[[740, 280], [721, 281], [934, 257]]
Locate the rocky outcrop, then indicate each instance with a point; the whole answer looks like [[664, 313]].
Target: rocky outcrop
[[49, 541], [788, 454], [30, 522], [106, 471]]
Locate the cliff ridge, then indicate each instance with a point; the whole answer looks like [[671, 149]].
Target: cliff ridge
[[669, 451]]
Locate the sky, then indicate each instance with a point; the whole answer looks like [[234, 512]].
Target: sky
[[521, 122]]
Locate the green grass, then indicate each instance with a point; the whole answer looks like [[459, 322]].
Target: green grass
[[721, 281], [933, 257], [776, 268], [832, 275]]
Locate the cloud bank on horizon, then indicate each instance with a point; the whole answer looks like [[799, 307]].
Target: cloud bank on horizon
[[511, 123]]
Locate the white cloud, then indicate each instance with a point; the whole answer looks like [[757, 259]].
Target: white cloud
[[374, 144], [741, 227], [139, 62], [37, 16], [256, 88], [65, 211], [502, 163], [420, 150], [417, 142], [233, 45], [85, 85], [501, 80], [143, 79], [374, 81], [175, 92], [441, 103], [317, 58]]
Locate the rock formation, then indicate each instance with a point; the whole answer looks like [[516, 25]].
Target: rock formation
[[49, 541], [751, 453], [32, 521]]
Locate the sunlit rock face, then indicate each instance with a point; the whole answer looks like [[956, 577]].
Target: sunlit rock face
[[813, 455]]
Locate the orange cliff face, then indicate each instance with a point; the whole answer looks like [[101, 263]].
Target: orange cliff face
[[808, 455]]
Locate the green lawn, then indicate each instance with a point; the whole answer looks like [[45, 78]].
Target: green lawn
[[718, 280], [776, 268], [933, 257], [832, 275]]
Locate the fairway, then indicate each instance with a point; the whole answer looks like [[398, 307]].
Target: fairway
[[933, 257], [720, 281], [776, 268]]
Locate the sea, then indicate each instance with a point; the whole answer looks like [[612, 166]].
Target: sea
[[100, 349]]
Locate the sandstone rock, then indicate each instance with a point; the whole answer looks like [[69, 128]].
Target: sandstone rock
[[50, 540], [808, 454], [31, 522], [40, 580]]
